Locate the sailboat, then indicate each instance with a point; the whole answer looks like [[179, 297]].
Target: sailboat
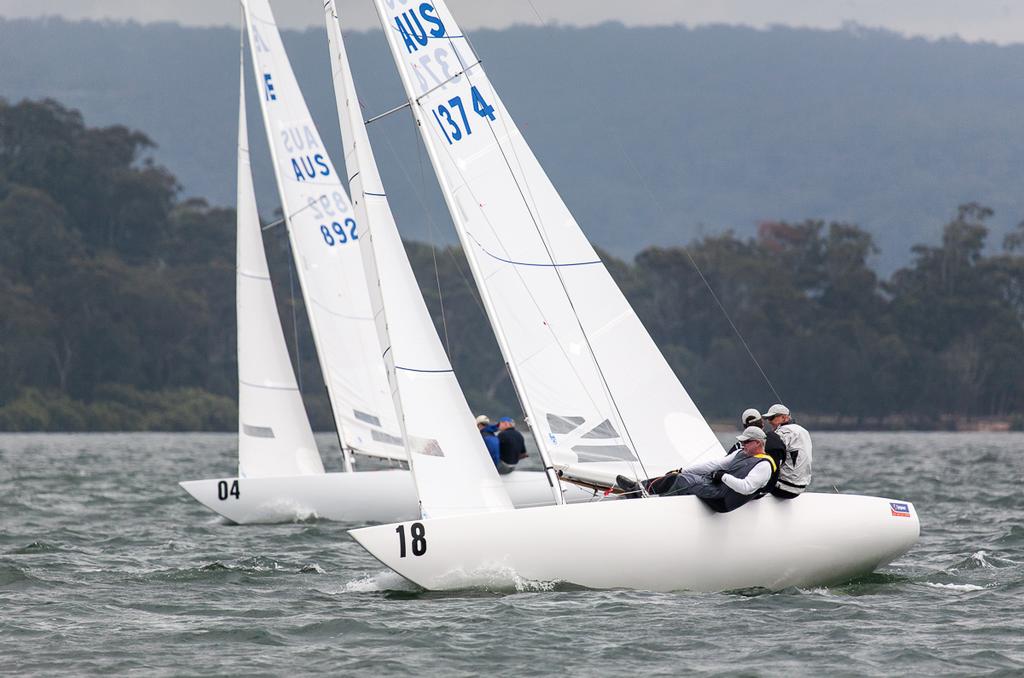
[[600, 396], [280, 475]]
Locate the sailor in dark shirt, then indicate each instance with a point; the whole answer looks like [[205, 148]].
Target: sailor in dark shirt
[[511, 446]]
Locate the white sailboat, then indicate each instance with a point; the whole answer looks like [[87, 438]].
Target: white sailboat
[[601, 398], [281, 476]]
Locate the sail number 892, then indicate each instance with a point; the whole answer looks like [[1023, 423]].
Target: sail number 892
[[339, 234], [454, 122]]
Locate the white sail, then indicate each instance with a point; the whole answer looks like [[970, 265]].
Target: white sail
[[454, 474], [325, 236], [274, 436], [594, 384]]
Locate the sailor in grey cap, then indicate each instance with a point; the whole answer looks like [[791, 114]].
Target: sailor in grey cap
[[795, 471], [724, 484]]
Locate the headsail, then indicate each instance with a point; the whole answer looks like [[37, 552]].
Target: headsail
[[594, 384], [324, 235], [453, 471], [274, 436]]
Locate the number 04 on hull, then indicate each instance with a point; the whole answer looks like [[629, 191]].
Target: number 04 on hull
[[658, 544]]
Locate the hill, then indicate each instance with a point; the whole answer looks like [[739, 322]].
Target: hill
[[653, 135]]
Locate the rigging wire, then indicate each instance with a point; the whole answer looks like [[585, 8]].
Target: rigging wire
[[433, 254], [686, 250]]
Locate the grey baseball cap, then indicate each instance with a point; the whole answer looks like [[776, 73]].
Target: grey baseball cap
[[751, 433]]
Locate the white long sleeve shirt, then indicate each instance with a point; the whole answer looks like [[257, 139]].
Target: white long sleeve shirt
[[755, 480]]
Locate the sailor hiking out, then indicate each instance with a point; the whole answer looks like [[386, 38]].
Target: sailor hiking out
[[773, 445], [795, 471], [723, 484]]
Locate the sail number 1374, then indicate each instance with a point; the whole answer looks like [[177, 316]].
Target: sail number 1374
[[418, 542], [453, 120]]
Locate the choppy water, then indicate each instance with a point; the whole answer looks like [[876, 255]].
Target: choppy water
[[107, 566]]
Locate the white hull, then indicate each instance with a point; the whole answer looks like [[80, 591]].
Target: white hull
[[657, 544], [360, 497]]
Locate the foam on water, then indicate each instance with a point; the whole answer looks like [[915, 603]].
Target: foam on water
[[385, 580], [955, 587]]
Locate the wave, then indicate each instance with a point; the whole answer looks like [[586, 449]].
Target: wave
[[980, 560], [964, 588], [36, 547], [11, 574]]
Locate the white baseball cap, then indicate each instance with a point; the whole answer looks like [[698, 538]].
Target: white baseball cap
[[749, 416], [483, 419], [775, 410]]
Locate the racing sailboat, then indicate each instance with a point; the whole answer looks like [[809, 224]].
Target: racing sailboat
[[600, 396]]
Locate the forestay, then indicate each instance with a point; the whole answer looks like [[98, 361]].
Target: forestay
[[274, 436], [594, 384], [324, 234], [453, 472]]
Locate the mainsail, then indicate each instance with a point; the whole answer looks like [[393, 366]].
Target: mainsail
[[595, 387], [453, 471], [324, 235], [274, 436]]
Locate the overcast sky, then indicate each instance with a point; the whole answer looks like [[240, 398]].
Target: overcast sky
[[1000, 21]]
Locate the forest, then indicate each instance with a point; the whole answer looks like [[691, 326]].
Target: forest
[[117, 305]]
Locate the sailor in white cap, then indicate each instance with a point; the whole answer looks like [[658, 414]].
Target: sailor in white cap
[[490, 435], [795, 472]]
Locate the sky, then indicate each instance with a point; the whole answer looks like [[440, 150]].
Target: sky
[[997, 21]]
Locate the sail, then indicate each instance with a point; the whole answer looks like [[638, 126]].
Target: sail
[[324, 235], [593, 383], [274, 436], [453, 472]]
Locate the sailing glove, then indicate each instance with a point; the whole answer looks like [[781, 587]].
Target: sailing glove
[[716, 477]]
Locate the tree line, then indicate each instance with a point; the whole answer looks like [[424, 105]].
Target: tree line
[[117, 305]]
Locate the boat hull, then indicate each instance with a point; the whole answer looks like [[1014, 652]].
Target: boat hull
[[656, 544], [361, 497]]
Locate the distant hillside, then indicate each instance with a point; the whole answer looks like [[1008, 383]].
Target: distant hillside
[[725, 127]]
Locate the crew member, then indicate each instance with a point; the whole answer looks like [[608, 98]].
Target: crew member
[[723, 484], [773, 445], [795, 471], [511, 446], [490, 436]]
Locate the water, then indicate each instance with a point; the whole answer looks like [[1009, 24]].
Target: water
[[107, 566]]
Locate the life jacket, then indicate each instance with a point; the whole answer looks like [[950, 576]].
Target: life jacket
[[741, 465]]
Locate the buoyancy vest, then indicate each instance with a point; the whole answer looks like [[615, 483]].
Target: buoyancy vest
[[739, 467], [795, 472]]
